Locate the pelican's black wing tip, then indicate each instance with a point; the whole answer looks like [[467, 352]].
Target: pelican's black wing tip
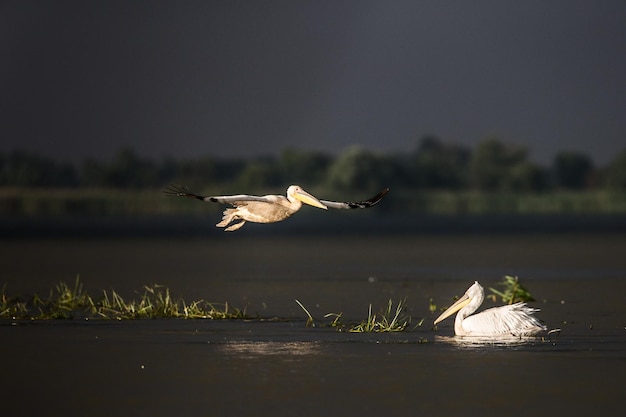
[[378, 197], [370, 201], [381, 194], [176, 190]]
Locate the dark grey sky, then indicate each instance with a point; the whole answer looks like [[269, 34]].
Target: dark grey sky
[[183, 78]]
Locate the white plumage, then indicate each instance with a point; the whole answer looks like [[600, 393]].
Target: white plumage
[[268, 208], [509, 320]]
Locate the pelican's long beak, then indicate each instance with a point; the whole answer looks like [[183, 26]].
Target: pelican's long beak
[[307, 198], [460, 303]]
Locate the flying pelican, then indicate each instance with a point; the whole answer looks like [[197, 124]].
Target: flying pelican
[[268, 208], [509, 320]]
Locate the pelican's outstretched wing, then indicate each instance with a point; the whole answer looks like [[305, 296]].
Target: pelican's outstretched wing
[[182, 191], [356, 205]]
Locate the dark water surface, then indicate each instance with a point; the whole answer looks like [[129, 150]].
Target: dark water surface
[[269, 367]]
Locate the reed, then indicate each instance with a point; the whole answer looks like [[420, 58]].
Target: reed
[[389, 319], [310, 321], [513, 291], [11, 306], [72, 302]]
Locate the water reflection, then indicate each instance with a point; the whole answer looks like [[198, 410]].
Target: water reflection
[[256, 349], [492, 342]]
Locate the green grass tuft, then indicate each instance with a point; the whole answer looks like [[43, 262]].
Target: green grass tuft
[[513, 291], [71, 302], [388, 320]]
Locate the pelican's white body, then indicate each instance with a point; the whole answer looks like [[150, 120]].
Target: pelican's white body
[[509, 320], [269, 208]]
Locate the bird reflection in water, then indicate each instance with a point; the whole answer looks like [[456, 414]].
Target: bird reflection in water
[[256, 349]]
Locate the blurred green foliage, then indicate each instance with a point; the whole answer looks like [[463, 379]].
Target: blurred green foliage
[[435, 177], [493, 165]]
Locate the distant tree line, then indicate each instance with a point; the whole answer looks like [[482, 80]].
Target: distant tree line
[[493, 165]]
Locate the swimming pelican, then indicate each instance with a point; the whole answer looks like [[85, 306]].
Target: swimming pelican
[[509, 320], [268, 208]]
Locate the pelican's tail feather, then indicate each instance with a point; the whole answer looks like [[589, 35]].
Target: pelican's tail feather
[[529, 325]]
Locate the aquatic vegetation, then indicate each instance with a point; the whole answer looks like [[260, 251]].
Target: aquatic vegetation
[[336, 322], [388, 320], [65, 302], [71, 302], [513, 291], [11, 307], [310, 321], [432, 307]]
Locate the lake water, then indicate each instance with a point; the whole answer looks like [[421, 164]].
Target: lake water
[[275, 365]]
